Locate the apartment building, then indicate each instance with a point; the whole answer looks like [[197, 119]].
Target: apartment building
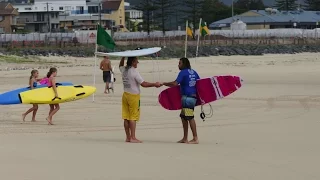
[[69, 15]]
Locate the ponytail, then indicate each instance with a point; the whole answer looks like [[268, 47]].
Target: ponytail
[[52, 70]]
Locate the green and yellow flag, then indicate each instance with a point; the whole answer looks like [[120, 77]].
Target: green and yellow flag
[[104, 39], [204, 29], [189, 31]]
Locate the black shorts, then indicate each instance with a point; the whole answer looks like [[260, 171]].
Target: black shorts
[[106, 76]]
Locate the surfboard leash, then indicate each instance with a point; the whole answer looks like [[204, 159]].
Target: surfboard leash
[[203, 115]]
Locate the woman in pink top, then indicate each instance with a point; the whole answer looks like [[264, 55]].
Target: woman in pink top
[[54, 108]]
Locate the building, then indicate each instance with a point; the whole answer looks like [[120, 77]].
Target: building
[[86, 15], [70, 15], [134, 17], [272, 19], [8, 16], [40, 16]]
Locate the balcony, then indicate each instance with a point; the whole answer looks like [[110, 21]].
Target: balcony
[[30, 21]]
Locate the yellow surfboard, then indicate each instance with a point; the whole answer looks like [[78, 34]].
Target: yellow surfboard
[[65, 94]]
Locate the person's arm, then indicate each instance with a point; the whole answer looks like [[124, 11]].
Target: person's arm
[[122, 62], [143, 83], [170, 84], [174, 83], [53, 82], [31, 83], [101, 65], [149, 84]]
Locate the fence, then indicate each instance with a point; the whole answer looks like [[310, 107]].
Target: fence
[[171, 38]]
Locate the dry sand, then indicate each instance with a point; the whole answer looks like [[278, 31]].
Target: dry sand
[[267, 130]]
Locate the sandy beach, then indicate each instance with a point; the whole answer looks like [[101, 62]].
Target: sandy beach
[[267, 130]]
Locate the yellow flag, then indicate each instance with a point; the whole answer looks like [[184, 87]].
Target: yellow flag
[[189, 31]]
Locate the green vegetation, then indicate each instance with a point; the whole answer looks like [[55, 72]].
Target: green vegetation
[[26, 60]]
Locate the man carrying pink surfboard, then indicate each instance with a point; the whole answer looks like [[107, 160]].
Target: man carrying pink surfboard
[[187, 79]]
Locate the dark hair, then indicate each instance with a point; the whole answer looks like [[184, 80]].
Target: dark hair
[[185, 63], [130, 62], [52, 70], [32, 72]]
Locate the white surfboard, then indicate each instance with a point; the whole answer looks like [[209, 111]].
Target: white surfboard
[[131, 53]]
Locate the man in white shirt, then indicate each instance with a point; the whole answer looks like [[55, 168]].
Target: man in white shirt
[[132, 81]]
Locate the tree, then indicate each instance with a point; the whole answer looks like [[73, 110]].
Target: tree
[[249, 4], [148, 9], [312, 5], [192, 11], [286, 5], [164, 11], [212, 11]]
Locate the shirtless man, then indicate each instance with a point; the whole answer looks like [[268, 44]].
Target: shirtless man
[[105, 66]]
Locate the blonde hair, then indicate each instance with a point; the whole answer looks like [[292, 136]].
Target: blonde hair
[[33, 72]]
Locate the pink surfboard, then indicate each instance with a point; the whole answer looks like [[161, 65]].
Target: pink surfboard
[[209, 90]]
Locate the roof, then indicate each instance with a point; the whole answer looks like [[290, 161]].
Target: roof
[[6, 11], [111, 5], [272, 18], [3, 5]]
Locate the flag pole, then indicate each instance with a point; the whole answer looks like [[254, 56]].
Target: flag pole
[[198, 39], [95, 64], [186, 42]]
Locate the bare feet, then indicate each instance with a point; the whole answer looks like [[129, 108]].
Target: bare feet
[[49, 121], [183, 141], [23, 117], [194, 141], [106, 92], [33, 120], [127, 140], [135, 140]]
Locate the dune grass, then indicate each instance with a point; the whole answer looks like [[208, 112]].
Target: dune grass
[[27, 60]]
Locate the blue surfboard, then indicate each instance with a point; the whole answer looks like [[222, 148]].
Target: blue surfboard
[[12, 97]]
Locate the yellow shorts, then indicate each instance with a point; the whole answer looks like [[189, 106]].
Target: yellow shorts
[[131, 106]]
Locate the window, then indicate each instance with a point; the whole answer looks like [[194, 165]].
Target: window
[[27, 8], [79, 10], [51, 8], [1, 30], [52, 15], [93, 9], [1, 18], [60, 8]]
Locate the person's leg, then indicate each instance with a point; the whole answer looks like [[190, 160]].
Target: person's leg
[[105, 81], [51, 108], [35, 106], [133, 125], [185, 131], [125, 116], [26, 113], [134, 109], [53, 112], [108, 80], [194, 132], [189, 116], [184, 122], [107, 88], [127, 130]]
